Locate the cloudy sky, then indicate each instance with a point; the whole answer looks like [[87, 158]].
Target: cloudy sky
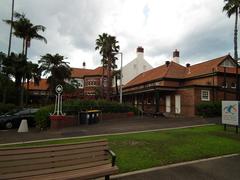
[[199, 28]]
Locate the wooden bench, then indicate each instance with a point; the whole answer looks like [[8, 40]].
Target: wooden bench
[[83, 160]]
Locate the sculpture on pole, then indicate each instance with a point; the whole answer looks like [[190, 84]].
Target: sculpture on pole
[[58, 101]]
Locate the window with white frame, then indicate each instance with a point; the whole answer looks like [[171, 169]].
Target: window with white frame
[[205, 95]]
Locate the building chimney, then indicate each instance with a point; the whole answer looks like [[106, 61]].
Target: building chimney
[[84, 65], [176, 56], [140, 52], [188, 68], [167, 63]]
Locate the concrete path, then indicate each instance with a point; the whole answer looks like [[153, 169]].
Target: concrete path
[[226, 168], [103, 127]]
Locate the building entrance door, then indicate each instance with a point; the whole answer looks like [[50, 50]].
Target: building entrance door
[[177, 104], [168, 103]]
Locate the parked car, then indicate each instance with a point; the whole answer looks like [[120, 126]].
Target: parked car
[[13, 118]]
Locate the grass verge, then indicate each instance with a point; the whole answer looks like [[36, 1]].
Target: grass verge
[[149, 149]]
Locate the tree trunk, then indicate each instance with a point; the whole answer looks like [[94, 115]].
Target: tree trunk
[[27, 94], [109, 79], [26, 48], [116, 84], [102, 82], [235, 36], [236, 53], [10, 35], [23, 46], [22, 91]]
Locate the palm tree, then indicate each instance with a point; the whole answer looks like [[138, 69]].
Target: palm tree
[[25, 30], [10, 35], [108, 47], [232, 7], [57, 69]]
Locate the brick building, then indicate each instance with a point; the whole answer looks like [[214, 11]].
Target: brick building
[[88, 81], [173, 88]]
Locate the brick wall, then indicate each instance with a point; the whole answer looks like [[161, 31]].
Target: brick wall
[[187, 101]]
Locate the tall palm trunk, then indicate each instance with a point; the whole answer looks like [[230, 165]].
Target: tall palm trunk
[[21, 93], [236, 52], [116, 84], [10, 35], [102, 83], [109, 79], [23, 46], [235, 36]]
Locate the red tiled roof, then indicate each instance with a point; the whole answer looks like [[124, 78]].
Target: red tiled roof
[[176, 71], [76, 72], [205, 67], [173, 70], [43, 85], [80, 72]]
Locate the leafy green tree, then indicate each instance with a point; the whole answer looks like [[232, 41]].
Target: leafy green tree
[[33, 73], [57, 69], [14, 66], [5, 81], [108, 48]]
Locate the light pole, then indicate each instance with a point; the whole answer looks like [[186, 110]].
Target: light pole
[[121, 78], [120, 90]]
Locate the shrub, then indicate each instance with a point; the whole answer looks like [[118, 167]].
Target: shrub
[[42, 117], [73, 106], [209, 109], [6, 107]]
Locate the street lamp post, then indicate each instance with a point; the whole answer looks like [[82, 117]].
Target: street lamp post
[[121, 78]]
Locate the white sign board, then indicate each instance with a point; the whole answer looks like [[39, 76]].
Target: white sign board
[[230, 112]]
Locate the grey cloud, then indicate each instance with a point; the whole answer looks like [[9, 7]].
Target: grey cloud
[[213, 40]]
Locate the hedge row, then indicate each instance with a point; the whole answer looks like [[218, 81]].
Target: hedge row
[[74, 106], [209, 109]]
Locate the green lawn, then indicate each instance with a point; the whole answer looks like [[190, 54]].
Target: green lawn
[[144, 150]]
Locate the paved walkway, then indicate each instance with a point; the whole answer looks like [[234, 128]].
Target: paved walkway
[[226, 168], [103, 127]]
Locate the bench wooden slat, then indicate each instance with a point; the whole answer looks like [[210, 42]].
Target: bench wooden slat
[[88, 173], [26, 150], [51, 154], [54, 164], [53, 159], [81, 160], [53, 170]]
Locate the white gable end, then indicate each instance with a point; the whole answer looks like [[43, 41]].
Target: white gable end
[[228, 63], [134, 68]]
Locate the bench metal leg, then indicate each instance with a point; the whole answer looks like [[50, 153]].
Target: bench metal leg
[[107, 177]]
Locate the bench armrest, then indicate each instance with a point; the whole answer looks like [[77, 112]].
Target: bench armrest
[[113, 155]]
